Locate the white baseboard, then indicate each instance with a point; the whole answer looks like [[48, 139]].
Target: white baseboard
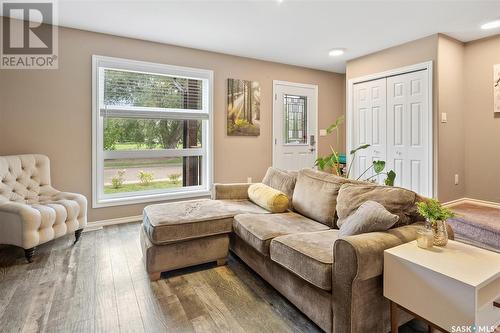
[[454, 202], [104, 223], [478, 202]]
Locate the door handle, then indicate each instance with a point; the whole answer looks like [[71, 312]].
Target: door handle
[[312, 140], [312, 150]]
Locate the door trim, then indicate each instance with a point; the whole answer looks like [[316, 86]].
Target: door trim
[[433, 148], [316, 107]]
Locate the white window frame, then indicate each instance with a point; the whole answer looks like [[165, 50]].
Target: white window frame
[[99, 199]]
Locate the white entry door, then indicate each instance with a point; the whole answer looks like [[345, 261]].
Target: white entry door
[[409, 131], [294, 125], [370, 120]]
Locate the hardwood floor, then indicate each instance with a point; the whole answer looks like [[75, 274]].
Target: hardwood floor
[[100, 285]]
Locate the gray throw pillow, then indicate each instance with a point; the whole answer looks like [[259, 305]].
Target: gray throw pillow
[[369, 217], [398, 201]]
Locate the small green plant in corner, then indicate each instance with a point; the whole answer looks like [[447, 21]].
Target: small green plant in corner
[[145, 178], [332, 161], [433, 211]]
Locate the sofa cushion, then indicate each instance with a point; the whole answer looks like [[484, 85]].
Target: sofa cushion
[[268, 198], [259, 230], [315, 195], [281, 180], [369, 217], [398, 201], [308, 255], [177, 221]]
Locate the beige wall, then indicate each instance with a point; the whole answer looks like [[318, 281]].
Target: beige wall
[[451, 134], [482, 126], [421, 50], [49, 111]]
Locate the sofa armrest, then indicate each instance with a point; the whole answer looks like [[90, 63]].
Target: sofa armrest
[[80, 198], [19, 224], [82, 203], [357, 289], [236, 191], [364, 253]]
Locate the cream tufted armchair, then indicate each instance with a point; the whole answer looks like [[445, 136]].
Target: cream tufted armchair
[[32, 212]]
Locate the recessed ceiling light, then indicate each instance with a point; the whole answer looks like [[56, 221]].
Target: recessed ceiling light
[[491, 25], [336, 52]]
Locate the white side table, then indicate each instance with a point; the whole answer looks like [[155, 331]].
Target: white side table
[[448, 287]]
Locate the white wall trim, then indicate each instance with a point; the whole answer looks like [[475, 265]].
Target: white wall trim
[[455, 202], [478, 202], [120, 220], [392, 72], [315, 87], [432, 154]]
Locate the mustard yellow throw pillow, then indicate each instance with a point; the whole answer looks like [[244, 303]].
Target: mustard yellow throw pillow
[[268, 198]]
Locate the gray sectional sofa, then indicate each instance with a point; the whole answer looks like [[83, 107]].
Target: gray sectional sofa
[[335, 281]]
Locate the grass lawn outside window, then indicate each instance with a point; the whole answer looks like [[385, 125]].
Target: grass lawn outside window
[[135, 187]]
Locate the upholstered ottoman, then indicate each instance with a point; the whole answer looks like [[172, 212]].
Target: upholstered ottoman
[[187, 233]]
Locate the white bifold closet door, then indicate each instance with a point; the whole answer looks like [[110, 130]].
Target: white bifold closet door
[[370, 126], [392, 115], [409, 131]]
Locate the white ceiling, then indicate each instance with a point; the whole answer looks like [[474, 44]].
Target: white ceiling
[[293, 32]]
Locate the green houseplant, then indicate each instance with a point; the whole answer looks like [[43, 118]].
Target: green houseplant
[[332, 160], [436, 216]]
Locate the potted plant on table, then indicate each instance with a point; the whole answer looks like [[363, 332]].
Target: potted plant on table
[[436, 216]]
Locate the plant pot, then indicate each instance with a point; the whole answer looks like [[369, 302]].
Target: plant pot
[[440, 233]]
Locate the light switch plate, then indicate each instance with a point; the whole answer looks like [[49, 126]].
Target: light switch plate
[[456, 179], [444, 117], [322, 132]]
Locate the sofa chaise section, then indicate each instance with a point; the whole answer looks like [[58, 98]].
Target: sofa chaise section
[[181, 234]]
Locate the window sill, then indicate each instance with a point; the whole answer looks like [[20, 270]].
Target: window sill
[[111, 202]]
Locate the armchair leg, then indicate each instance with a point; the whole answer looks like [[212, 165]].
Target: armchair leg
[[78, 234], [28, 253]]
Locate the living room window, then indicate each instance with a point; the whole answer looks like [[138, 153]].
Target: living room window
[[151, 132]]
